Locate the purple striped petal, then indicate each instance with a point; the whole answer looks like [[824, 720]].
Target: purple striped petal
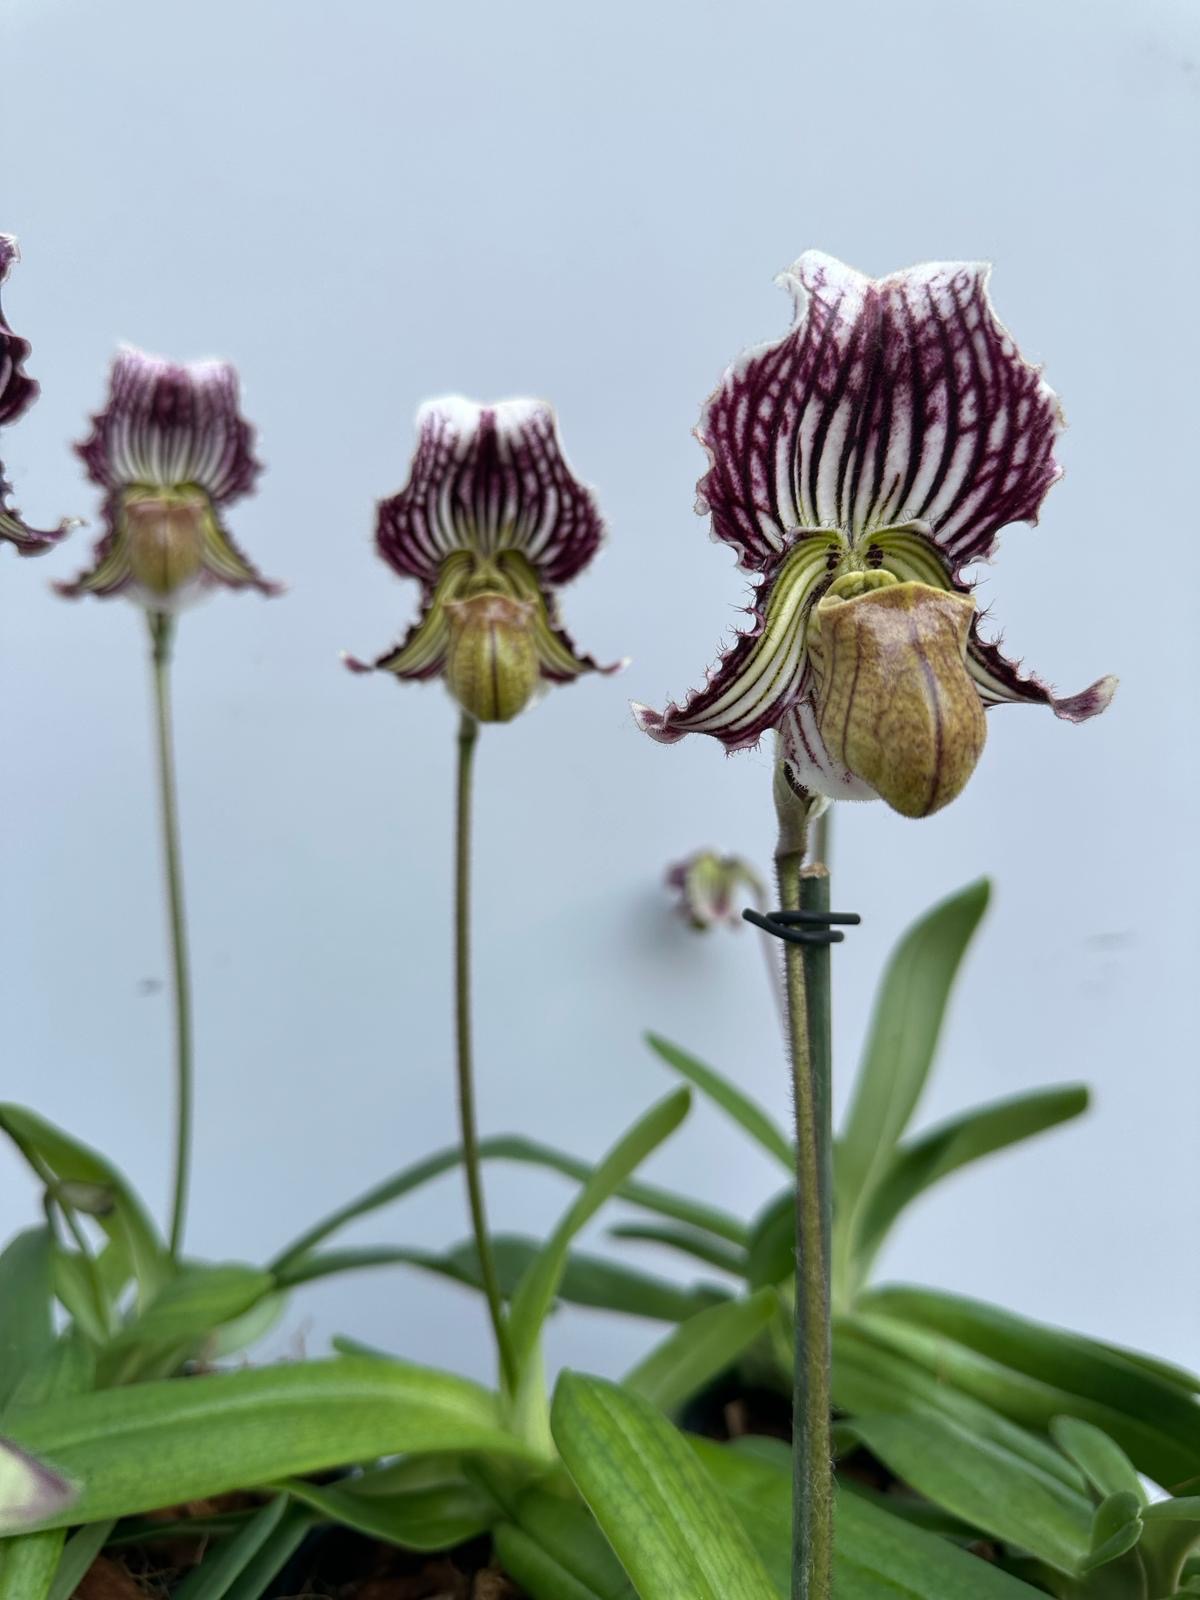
[[167, 425], [1001, 681], [486, 479], [764, 672], [890, 401], [18, 391]]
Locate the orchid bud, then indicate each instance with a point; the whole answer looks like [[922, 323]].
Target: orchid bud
[[492, 664], [711, 889], [894, 700]]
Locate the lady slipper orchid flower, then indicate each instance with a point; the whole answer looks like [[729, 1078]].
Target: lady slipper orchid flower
[[857, 467], [171, 449], [491, 523], [17, 394]]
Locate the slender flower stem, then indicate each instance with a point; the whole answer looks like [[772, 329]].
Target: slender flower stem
[[775, 977], [468, 732], [809, 1015], [162, 633]]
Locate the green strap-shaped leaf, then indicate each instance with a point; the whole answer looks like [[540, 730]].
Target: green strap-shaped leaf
[[909, 1009], [185, 1312], [26, 1306], [673, 1531], [509, 1147], [80, 1551], [126, 1222], [1034, 1373], [227, 1561], [874, 1370], [158, 1444], [952, 1145], [877, 1556], [1102, 1461], [686, 1241], [433, 1518], [29, 1562], [747, 1113], [1116, 1528], [541, 1575], [986, 1485], [700, 1349], [587, 1280], [554, 1549], [538, 1287], [1170, 1535], [274, 1555]]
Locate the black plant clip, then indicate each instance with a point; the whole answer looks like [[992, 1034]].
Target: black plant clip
[[804, 927]]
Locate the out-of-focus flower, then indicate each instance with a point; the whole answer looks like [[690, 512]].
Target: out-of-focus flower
[[18, 391], [172, 450], [30, 1493], [710, 889], [858, 466], [491, 523]]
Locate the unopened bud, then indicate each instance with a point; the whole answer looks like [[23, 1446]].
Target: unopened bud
[[711, 888], [492, 665]]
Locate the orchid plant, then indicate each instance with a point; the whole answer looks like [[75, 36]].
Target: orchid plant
[[491, 523], [858, 466], [170, 450]]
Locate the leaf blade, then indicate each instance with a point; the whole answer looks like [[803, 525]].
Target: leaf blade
[[672, 1529], [535, 1293], [163, 1443], [745, 1112], [907, 1019], [700, 1349]]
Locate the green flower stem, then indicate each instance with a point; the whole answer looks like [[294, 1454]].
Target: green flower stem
[[807, 974], [468, 733], [162, 634]]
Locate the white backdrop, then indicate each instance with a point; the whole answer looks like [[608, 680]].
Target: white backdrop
[[367, 203]]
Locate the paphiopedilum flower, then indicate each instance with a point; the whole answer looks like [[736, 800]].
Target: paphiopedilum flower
[[491, 523], [710, 889], [172, 450], [858, 466], [18, 391]]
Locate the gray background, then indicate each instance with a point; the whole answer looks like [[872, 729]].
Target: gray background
[[364, 204]]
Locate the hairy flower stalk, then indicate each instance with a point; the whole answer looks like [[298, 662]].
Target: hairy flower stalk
[[491, 523], [18, 391], [807, 988], [858, 467], [171, 450]]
